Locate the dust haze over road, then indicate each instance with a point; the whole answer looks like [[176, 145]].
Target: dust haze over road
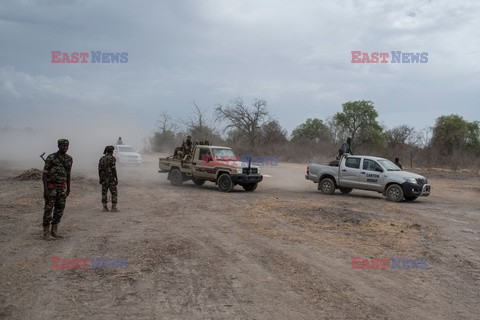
[[281, 252], [21, 147]]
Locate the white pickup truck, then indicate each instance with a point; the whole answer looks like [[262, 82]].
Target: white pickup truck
[[368, 173]]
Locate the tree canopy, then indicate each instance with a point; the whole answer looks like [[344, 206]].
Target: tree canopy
[[311, 130], [452, 132]]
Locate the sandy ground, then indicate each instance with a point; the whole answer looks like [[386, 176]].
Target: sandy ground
[[281, 252]]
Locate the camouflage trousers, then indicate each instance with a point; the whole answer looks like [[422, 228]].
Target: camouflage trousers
[[55, 202], [113, 191]]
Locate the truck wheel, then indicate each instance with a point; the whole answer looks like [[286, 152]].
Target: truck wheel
[[176, 177], [199, 182], [345, 190], [410, 198], [394, 193], [327, 186], [225, 183], [250, 186]]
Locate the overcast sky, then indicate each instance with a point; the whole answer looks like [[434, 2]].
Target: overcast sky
[[294, 54]]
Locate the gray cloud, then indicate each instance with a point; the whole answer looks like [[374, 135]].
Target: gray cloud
[[294, 55]]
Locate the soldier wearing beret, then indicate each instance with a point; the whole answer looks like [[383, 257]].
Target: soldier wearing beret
[[107, 173], [56, 188]]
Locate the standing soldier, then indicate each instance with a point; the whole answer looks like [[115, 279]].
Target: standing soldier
[[56, 188], [187, 147], [107, 173]]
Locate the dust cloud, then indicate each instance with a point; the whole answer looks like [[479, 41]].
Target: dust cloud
[[21, 147]]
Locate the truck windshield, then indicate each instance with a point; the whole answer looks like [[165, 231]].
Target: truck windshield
[[126, 149], [389, 165], [223, 153]]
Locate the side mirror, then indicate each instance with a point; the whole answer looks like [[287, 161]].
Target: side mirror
[[379, 169]]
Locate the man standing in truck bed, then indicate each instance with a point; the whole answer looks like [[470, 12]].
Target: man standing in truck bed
[[56, 188], [346, 146], [107, 173]]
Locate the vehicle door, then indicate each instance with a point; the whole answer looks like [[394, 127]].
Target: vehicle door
[[371, 176], [349, 172], [203, 164]]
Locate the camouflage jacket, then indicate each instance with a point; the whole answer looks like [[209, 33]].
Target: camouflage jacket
[[106, 167], [58, 167]]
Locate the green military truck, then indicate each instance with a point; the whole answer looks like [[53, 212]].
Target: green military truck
[[211, 163]]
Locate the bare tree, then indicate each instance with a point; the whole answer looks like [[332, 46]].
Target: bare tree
[[165, 123], [399, 136], [200, 126], [246, 120], [164, 137], [197, 119]]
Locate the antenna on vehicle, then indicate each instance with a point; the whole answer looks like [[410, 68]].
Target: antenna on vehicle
[[249, 163]]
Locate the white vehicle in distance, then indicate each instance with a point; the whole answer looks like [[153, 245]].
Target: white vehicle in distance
[[127, 155]]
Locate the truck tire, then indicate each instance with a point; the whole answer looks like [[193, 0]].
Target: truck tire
[[410, 198], [327, 186], [394, 193], [345, 190], [250, 187], [225, 183], [176, 177], [199, 182]]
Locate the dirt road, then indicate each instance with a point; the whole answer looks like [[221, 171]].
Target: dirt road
[[281, 252]]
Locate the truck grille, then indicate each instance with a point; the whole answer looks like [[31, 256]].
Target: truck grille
[[252, 171]]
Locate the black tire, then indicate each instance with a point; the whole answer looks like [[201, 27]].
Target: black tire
[[410, 198], [199, 182], [345, 190], [225, 183], [176, 177], [394, 193], [327, 186], [250, 187]]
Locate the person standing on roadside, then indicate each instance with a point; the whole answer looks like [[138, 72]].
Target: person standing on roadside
[[107, 173], [56, 188]]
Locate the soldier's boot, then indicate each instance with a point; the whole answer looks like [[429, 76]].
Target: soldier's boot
[[114, 207], [55, 231], [46, 233], [105, 208]]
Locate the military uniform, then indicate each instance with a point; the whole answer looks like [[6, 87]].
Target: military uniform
[[57, 171], [108, 179]]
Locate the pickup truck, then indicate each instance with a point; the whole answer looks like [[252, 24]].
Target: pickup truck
[[368, 173], [211, 163]]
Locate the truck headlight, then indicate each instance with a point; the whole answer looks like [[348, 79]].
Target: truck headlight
[[412, 180], [239, 170]]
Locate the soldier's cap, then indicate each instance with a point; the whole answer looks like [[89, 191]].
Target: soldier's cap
[[108, 149], [62, 142], [189, 137]]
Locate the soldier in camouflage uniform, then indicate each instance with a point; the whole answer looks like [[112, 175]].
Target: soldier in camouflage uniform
[[56, 188], [107, 173]]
